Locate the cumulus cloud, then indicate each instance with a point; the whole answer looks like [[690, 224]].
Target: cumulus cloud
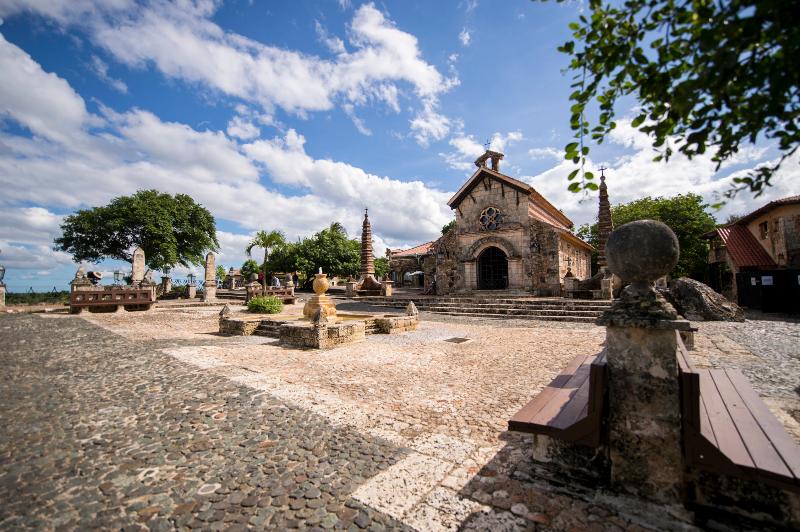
[[429, 125], [181, 41], [242, 128], [634, 175], [546, 153], [76, 165]]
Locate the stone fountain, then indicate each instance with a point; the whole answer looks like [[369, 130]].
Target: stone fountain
[[320, 299]]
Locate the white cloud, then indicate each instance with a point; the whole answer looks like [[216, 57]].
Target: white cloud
[[429, 125], [242, 129], [465, 37], [42, 102], [546, 153], [360, 126], [181, 41], [333, 43], [635, 175], [135, 150], [468, 149], [100, 68]]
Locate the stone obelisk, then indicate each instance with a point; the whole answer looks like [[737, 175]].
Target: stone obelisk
[[367, 283], [604, 223], [367, 259]]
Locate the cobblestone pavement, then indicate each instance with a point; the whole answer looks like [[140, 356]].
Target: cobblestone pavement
[[99, 431], [410, 428]]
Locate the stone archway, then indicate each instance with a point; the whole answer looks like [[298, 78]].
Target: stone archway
[[492, 269]]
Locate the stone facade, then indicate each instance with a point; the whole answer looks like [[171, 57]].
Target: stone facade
[[506, 236]]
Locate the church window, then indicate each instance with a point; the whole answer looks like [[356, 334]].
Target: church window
[[491, 218]]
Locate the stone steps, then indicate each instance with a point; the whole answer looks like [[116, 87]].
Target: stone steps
[[269, 328], [551, 309]]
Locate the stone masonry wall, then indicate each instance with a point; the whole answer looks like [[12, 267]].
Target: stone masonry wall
[[238, 326]]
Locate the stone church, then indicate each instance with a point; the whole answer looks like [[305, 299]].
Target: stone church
[[507, 236]]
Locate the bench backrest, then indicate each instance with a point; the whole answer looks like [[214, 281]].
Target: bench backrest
[[690, 386]]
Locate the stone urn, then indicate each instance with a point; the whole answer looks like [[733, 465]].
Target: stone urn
[[319, 299], [321, 283]]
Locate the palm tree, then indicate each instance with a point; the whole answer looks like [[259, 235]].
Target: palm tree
[[268, 241]]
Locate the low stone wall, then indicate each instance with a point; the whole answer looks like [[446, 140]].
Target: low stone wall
[[322, 337], [396, 324], [238, 326]]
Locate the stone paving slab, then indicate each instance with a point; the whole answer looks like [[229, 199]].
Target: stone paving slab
[[101, 432]]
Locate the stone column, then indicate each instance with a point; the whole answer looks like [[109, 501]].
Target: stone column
[[137, 267], [191, 291], [604, 224], [643, 389], [210, 283], [2, 295]]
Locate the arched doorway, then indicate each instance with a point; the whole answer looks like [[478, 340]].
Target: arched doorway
[[492, 269]]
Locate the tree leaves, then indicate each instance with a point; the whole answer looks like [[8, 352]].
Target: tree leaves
[[171, 230], [708, 76]]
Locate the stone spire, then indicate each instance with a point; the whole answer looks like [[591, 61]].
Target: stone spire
[[367, 260], [604, 223]]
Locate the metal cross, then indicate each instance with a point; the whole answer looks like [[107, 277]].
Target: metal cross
[[569, 262], [488, 144], [602, 169]]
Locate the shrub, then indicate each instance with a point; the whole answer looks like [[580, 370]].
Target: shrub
[[266, 304]]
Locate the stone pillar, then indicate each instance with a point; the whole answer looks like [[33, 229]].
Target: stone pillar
[[166, 284], [350, 288], [2, 295], [191, 291], [643, 389], [210, 283], [137, 267], [386, 288]]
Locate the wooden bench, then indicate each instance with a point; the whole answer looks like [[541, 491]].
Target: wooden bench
[[571, 407], [727, 428]]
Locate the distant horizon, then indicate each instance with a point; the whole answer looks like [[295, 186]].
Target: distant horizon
[[290, 116]]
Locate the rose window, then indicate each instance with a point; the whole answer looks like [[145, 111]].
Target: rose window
[[491, 218]]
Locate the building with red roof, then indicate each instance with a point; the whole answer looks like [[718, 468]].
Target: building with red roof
[[766, 240], [507, 236]]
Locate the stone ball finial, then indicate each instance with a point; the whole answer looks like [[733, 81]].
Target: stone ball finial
[[640, 252]]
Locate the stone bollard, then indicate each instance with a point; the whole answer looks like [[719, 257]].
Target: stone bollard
[[191, 291], [350, 288], [2, 296], [253, 289], [643, 389], [386, 288]]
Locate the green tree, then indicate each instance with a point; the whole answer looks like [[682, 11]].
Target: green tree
[[268, 242], [685, 214], [329, 249], [381, 267], [221, 272], [172, 230], [706, 76], [249, 267], [449, 225]]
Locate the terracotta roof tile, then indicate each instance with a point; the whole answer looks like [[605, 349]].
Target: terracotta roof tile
[[422, 249], [743, 247]]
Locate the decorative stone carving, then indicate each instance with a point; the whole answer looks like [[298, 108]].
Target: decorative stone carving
[[699, 302], [225, 312], [411, 309], [137, 267]]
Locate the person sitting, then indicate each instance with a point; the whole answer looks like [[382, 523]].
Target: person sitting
[[276, 283]]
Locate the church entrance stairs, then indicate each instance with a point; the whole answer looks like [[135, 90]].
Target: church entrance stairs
[[551, 309]]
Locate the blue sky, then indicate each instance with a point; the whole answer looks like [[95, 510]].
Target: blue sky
[[290, 115]]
